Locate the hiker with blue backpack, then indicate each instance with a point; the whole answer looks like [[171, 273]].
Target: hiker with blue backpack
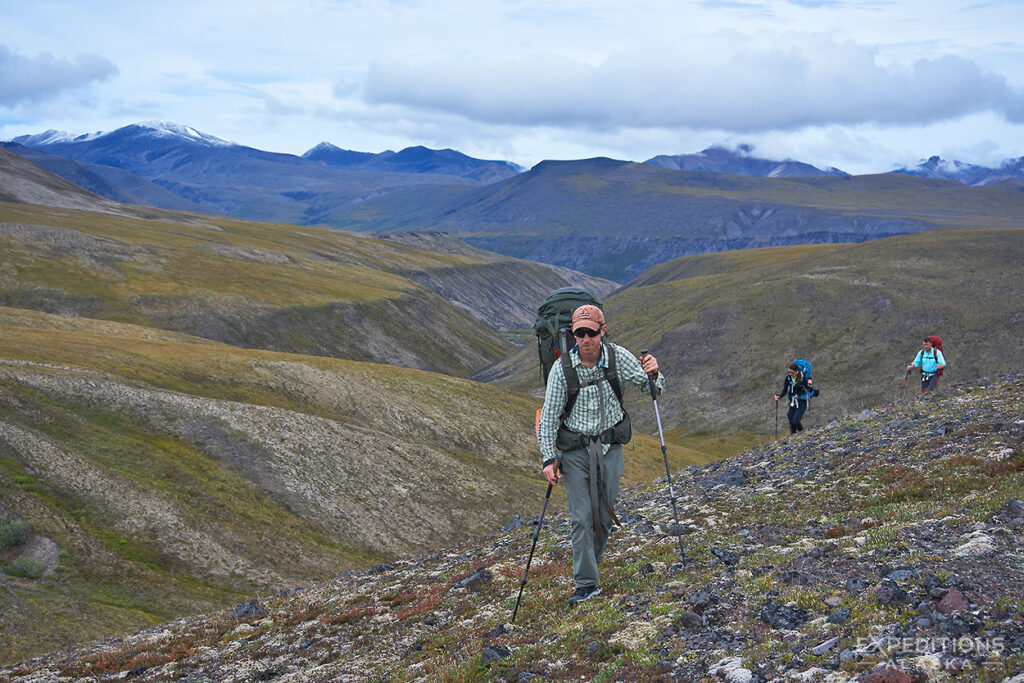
[[798, 387], [931, 362]]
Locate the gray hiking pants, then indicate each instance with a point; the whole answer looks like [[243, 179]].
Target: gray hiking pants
[[588, 548]]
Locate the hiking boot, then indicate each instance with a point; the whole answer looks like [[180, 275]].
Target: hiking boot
[[584, 593]]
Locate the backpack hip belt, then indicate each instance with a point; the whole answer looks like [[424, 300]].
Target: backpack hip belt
[[570, 440]]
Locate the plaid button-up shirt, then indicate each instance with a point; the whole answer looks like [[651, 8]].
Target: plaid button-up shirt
[[585, 417]]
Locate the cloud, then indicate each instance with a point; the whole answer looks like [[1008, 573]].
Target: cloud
[[729, 82], [43, 77]]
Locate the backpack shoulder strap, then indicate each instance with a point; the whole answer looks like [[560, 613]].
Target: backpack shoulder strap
[[611, 372], [572, 384]]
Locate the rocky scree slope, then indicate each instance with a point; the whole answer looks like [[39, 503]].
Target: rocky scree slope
[[886, 547]]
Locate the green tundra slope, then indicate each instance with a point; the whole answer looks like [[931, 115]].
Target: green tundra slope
[[725, 325]]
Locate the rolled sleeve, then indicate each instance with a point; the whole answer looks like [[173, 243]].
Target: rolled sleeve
[[632, 371]]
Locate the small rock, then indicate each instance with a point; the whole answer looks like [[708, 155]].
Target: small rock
[[701, 600], [783, 616], [888, 593], [731, 670], [494, 653], [826, 646], [978, 543], [1015, 508], [514, 523], [381, 568], [725, 556], [474, 580], [840, 616], [689, 620], [855, 586], [792, 578], [833, 601], [498, 630], [953, 601], [253, 608], [731, 477]]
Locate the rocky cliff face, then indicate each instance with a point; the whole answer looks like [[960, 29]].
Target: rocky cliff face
[[880, 548]]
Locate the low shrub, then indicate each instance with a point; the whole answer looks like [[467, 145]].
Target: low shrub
[[27, 567], [13, 532]]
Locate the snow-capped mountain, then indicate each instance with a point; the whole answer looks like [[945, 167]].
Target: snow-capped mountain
[[156, 129], [962, 172], [740, 162]]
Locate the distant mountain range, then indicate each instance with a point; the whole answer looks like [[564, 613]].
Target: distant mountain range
[[614, 219], [162, 164], [968, 174], [415, 160], [634, 215]]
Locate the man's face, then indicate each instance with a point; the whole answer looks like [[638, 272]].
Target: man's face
[[587, 343], [927, 345]]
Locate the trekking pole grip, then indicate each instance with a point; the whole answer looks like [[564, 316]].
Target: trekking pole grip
[[650, 384]]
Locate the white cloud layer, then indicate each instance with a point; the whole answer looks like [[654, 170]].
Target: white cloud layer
[[860, 85], [728, 83]]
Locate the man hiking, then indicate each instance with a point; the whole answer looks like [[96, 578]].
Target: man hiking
[[932, 363], [583, 418], [798, 388]]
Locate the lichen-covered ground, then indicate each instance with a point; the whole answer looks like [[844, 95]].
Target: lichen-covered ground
[[884, 548]]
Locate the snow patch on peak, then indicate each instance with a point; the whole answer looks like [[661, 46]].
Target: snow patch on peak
[[324, 147], [167, 128], [46, 138]]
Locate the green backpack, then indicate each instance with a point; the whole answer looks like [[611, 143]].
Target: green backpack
[[553, 326]]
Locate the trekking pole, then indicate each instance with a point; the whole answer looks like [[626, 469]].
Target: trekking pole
[[664, 454], [904, 383], [776, 418], [532, 548]]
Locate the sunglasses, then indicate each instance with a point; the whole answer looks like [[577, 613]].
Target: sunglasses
[[585, 332]]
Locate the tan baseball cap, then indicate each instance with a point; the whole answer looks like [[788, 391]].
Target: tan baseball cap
[[587, 316]]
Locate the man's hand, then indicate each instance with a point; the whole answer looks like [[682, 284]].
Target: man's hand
[[553, 473], [650, 364], [909, 366]]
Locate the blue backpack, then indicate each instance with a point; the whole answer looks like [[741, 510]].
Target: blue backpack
[[805, 370]]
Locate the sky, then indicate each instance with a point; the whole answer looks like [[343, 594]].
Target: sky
[[864, 86]]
